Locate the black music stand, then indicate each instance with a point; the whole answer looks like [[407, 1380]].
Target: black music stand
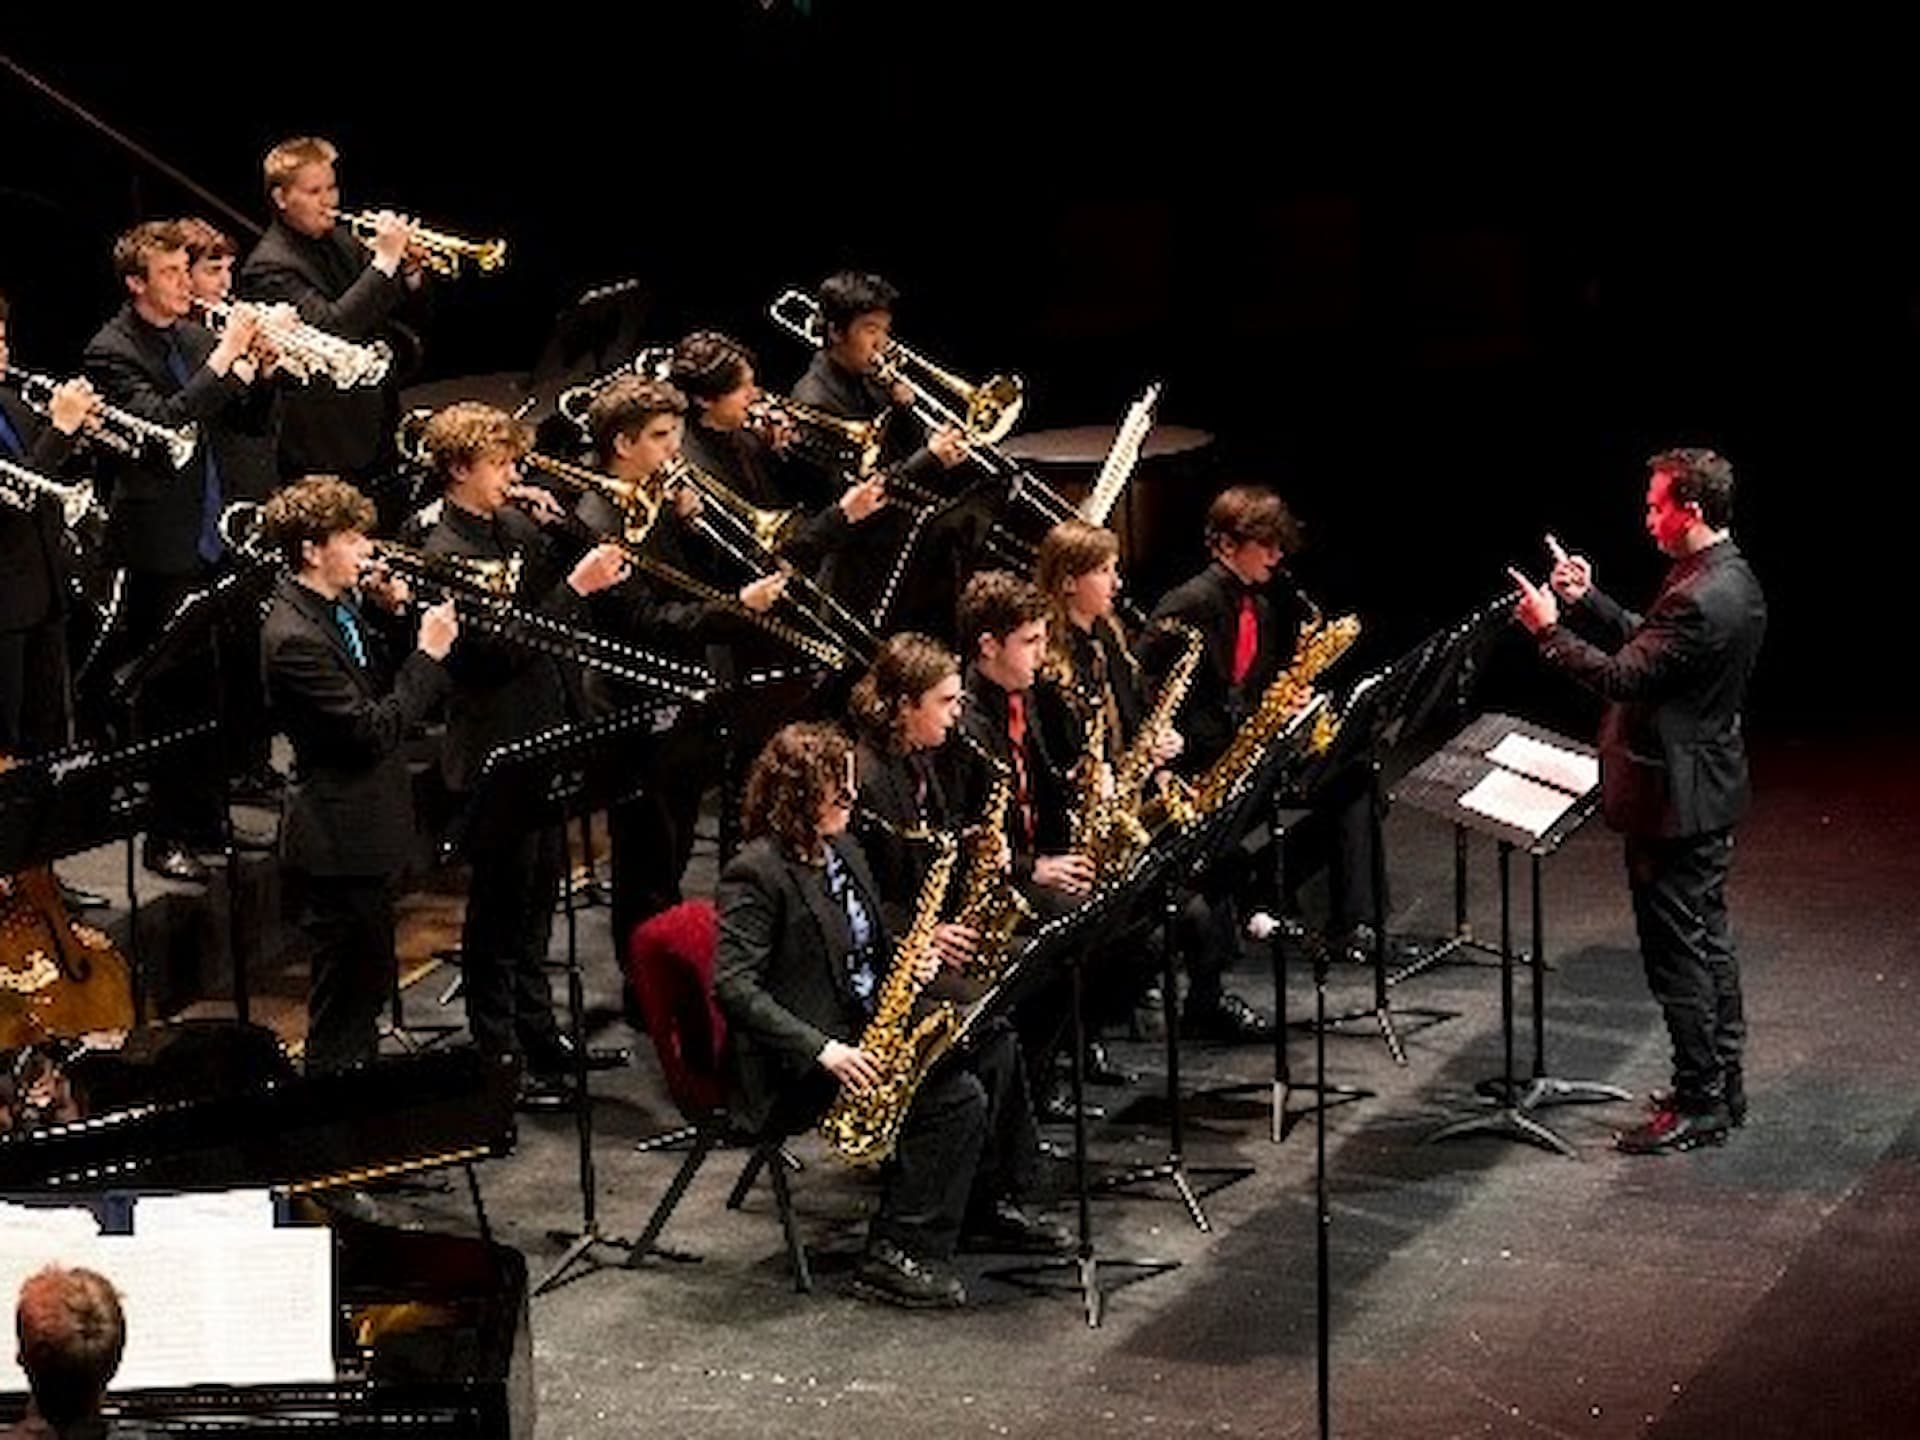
[[549, 780], [1552, 798], [200, 621], [1069, 939], [74, 799]]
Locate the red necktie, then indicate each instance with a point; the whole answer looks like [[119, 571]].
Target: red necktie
[[1017, 744], [1246, 638]]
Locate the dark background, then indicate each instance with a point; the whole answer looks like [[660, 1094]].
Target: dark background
[[1444, 289]]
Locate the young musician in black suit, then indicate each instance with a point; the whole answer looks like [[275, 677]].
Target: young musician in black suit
[[347, 287], [1673, 770], [804, 950], [350, 827], [152, 360], [503, 693], [36, 692]]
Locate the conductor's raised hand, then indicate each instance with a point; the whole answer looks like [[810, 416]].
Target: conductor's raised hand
[[1572, 575], [1537, 608]]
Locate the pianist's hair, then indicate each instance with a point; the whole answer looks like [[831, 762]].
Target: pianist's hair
[[801, 766], [71, 1333], [314, 509]]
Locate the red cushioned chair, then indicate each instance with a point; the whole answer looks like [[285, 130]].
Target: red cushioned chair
[[669, 965]]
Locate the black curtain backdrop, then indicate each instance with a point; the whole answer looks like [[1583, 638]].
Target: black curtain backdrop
[[1445, 290]]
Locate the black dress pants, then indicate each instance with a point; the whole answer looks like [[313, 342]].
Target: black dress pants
[[1679, 889], [349, 921], [652, 835], [503, 944], [36, 693], [186, 793]]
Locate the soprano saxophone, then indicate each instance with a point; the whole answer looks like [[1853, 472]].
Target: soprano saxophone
[[903, 1038]]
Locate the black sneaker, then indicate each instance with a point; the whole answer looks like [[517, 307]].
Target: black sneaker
[[890, 1274], [1008, 1229], [1668, 1131], [1227, 1018], [1734, 1091]]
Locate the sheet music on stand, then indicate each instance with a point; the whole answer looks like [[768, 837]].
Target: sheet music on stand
[[213, 1291], [1506, 777]]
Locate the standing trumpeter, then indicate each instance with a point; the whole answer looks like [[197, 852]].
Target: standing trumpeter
[[1673, 770], [339, 284], [155, 362]]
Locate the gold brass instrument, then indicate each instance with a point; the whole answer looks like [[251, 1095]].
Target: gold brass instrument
[[651, 363], [444, 254], [120, 431], [495, 579], [903, 1039], [1117, 829], [23, 489], [850, 445], [985, 412], [308, 352], [990, 903]]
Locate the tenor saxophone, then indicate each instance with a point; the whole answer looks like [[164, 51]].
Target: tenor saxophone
[[903, 1039]]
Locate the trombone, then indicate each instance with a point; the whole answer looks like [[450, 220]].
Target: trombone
[[985, 412], [852, 445], [120, 431], [650, 364], [443, 253]]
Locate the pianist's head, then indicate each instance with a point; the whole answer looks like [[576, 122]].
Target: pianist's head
[[71, 1335]]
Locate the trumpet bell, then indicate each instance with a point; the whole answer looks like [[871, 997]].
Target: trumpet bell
[[181, 444]]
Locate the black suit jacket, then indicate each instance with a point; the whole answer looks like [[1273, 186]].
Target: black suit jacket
[[890, 805], [780, 974], [968, 779], [1673, 761], [743, 462], [31, 568], [154, 517], [504, 692], [352, 799], [332, 284], [1215, 706]]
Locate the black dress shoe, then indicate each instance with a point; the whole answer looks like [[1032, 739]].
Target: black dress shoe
[[263, 786], [1228, 1018], [1008, 1229], [1668, 1131], [77, 897], [1099, 1068], [892, 1276], [172, 860], [555, 1057], [247, 839], [545, 1094]]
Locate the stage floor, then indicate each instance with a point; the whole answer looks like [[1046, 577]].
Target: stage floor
[[1480, 1287]]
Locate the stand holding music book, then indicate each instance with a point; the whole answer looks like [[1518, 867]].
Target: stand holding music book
[[1528, 788]]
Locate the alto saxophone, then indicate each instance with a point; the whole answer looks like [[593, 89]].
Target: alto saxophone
[[1291, 692], [1131, 815], [901, 1039], [989, 901]]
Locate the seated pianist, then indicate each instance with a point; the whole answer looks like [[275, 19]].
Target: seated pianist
[[803, 954]]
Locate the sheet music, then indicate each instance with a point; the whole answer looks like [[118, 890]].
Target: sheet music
[[1568, 769], [218, 1308], [1513, 799], [203, 1213]]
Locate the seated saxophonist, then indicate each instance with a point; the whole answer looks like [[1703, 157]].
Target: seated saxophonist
[[803, 952]]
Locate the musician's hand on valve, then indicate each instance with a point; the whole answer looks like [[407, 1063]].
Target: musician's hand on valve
[[392, 235], [599, 569], [863, 499], [439, 628], [386, 589], [72, 405], [948, 446], [538, 502], [686, 502], [1572, 575], [1168, 743], [954, 944], [759, 596], [242, 329], [1070, 874], [1536, 608], [850, 1065]]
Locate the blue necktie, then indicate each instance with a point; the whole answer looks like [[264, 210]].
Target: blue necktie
[[209, 545], [350, 630], [10, 441], [862, 975]]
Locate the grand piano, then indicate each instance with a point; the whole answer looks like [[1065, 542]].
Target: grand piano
[[431, 1335]]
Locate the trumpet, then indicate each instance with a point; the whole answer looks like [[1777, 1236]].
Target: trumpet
[[120, 431], [650, 364], [23, 489], [444, 254], [985, 412], [852, 445], [306, 351]]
